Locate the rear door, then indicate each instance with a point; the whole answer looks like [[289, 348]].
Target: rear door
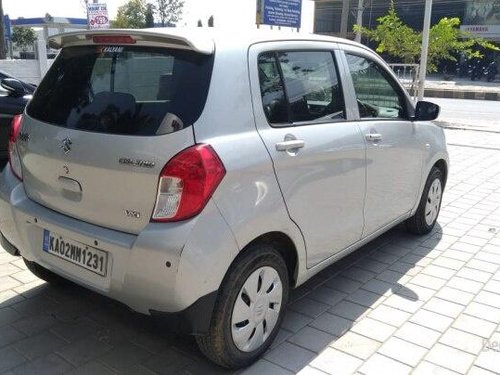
[[318, 155], [103, 123], [393, 149]]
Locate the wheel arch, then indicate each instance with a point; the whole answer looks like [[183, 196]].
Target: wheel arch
[[442, 165], [282, 243]]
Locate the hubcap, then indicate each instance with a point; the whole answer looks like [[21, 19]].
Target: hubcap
[[256, 309], [433, 202]]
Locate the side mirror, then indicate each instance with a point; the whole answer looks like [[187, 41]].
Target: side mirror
[[13, 86], [426, 111]]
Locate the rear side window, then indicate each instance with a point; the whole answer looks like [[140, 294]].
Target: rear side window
[[377, 94], [123, 89], [300, 86]]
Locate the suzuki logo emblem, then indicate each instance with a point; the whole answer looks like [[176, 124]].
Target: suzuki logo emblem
[[66, 145]]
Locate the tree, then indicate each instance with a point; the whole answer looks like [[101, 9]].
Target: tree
[[149, 18], [169, 11], [200, 24], [3, 52], [211, 21], [131, 15], [23, 37], [445, 40]]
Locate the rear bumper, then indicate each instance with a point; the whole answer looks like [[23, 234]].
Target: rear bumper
[[168, 269]]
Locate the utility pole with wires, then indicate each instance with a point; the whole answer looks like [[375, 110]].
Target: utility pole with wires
[[425, 49]]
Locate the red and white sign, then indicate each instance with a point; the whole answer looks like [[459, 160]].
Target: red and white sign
[[97, 15]]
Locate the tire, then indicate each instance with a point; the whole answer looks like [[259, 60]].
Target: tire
[[232, 340], [44, 273], [424, 219]]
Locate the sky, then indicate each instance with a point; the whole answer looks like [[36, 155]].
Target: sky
[[224, 11]]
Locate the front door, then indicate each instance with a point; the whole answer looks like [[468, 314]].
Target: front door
[[318, 155], [393, 151]]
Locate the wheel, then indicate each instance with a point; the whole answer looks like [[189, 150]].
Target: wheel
[[249, 309], [44, 273], [428, 209]]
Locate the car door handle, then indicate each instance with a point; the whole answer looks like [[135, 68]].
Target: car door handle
[[290, 145], [373, 137]]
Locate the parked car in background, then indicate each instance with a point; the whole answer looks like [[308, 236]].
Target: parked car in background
[[28, 87], [199, 187], [14, 95]]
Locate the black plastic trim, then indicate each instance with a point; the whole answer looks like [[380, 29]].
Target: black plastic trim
[[11, 249], [194, 320]]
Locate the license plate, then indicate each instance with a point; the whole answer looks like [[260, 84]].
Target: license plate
[[90, 258]]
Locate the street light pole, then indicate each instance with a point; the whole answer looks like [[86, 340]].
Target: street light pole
[[425, 49]]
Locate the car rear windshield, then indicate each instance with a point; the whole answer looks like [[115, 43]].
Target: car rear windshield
[[126, 90]]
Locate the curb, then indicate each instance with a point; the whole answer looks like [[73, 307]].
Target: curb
[[459, 94]]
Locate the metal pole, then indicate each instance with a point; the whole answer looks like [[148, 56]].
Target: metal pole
[[425, 49], [344, 18], [359, 20]]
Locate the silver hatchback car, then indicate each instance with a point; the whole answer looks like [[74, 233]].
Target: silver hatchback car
[[198, 177]]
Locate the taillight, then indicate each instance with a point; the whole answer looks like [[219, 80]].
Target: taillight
[[187, 182], [14, 160]]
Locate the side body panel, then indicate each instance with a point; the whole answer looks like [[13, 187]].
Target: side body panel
[[248, 197], [323, 183]]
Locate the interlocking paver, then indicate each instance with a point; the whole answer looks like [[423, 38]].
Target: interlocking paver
[[462, 340], [333, 361], [380, 364], [83, 350], [431, 320], [450, 358], [403, 351], [389, 315], [332, 324], [39, 345], [312, 339], [309, 307], [417, 334], [465, 285], [482, 311], [476, 326], [349, 310], [374, 329], [444, 307], [455, 295], [426, 368], [356, 345], [10, 358], [290, 356]]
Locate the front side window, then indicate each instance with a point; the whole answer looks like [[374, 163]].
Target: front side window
[[127, 90], [377, 94], [300, 86]]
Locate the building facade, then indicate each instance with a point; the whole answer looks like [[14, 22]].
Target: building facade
[[478, 17]]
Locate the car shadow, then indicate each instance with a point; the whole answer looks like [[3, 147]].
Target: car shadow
[[331, 303]]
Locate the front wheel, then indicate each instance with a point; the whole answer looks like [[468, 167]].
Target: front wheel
[[249, 309], [427, 212]]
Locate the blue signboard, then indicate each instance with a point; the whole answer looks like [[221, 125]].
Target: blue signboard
[[281, 12], [7, 32]]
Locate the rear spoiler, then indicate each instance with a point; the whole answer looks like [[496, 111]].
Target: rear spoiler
[[160, 37]]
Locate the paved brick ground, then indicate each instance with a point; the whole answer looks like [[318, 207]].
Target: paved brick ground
[[400, 304]]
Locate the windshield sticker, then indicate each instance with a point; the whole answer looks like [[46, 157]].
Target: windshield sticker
[[111, 49]]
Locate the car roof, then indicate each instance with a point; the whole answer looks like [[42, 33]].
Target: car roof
[[202, 40]]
